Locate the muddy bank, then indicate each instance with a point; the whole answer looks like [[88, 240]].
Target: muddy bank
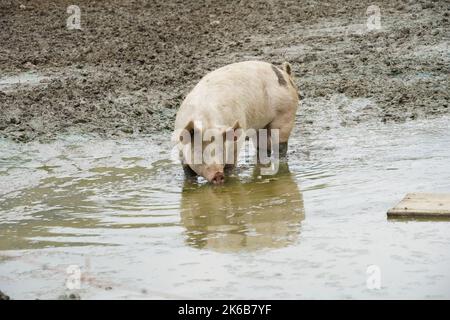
[[3, 296], [130, 66]]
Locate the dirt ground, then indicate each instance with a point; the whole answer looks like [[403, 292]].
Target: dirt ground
[[132, 63]]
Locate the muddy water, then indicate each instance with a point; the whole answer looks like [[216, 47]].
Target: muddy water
[[123, 213]]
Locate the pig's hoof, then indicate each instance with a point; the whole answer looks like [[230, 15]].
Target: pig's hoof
[[218, 178]]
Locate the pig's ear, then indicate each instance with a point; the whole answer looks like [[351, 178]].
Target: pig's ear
[[287, 68], [187, 134]]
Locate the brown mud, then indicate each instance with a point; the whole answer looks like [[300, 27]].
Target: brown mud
[[132, 63]]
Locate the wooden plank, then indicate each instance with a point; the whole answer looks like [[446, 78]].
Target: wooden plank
[[422, 205]]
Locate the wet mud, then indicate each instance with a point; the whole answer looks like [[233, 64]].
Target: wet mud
[[129, 67]]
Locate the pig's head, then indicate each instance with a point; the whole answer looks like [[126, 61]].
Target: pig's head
[[207, 150]]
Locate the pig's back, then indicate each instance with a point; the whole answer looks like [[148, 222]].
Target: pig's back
[[246, 91]]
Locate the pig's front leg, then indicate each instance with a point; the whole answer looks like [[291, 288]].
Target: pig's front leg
[[229, 167], [263, 148], [188, 172]]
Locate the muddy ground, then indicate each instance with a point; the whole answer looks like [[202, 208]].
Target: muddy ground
[[132, 63]]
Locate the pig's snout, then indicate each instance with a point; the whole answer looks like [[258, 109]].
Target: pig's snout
[[218, 178]]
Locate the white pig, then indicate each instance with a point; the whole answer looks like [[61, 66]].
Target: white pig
[[244, 95]]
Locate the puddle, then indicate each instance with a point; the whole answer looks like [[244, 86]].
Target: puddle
[[122, 212], [8, 83]]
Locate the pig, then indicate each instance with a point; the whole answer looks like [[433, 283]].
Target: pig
[[230, 100]]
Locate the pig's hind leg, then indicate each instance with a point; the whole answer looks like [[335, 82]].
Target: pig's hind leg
[[284, 124], [228, 168]]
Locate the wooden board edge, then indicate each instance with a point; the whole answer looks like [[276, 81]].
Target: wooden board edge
[[431, 214]]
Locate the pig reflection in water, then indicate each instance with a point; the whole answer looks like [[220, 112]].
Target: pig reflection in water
[[249, 215]]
